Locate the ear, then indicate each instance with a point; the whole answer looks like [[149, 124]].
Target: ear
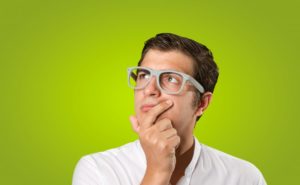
[[203, 103]]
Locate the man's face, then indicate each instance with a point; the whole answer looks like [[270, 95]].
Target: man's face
[[182, 114]]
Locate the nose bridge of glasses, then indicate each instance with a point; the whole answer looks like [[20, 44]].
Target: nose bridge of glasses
[[153, 81], [155, 75]]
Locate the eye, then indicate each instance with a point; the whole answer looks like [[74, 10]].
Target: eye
[[143, 75], [172, 79]]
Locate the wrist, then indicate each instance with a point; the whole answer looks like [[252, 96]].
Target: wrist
[[156, 177]]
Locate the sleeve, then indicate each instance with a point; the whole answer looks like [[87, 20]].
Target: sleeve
[[86, 172], [261, 180]]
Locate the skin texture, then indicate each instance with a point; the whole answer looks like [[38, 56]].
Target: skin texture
[[165, 122]]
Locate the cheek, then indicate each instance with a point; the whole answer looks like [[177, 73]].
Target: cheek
[[183, 109], [137, 97], [136, 105], [185, 102]]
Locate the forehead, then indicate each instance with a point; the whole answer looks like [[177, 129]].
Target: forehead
[[168, 60]]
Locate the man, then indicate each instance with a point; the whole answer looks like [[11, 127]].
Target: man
[[173, 86]]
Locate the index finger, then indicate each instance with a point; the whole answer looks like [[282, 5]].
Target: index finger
[[153, 113]]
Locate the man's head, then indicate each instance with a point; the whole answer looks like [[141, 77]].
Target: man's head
[[171, 52], [205, 70]]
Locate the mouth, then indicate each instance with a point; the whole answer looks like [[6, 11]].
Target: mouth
[[147, 107]]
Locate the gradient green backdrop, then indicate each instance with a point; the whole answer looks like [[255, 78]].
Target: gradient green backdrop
[[63, 88]]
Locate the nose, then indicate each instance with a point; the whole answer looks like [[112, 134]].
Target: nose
[[152, 89]]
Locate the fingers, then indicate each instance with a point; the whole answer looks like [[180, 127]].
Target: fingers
[[169, 133], [155, 112], [151, 117], [164, 124], [174, 141], [134, 124]]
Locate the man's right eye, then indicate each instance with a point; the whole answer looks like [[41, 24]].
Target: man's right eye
[[142, 76]]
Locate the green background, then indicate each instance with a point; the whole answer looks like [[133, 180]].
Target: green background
[[64, 94]]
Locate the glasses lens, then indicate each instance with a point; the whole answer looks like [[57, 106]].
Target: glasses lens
[[170, 81], [139, 78]]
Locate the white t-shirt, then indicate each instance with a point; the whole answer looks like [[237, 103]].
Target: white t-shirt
[[126, 165]]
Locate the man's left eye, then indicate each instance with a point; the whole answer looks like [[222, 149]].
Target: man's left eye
[[172, 79]]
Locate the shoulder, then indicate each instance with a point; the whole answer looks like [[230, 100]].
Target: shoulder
[[99, 166], [224, 160], [129, 152], [231, 166]]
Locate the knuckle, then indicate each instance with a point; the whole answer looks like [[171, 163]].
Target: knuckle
[[167, 122], [146, 136], [158, 126], [163, 123], [154, 141], [163, 146]]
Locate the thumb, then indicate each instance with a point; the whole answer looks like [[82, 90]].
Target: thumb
[[134, 124]]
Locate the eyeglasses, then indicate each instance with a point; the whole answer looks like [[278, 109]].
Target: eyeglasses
[[169, 81]]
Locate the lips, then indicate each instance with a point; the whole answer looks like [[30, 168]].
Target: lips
[[147, 107]]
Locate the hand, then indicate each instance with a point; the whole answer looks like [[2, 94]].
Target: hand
[[159, 141]]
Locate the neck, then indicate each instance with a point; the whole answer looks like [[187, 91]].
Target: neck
[[184, 155], [185, 145]]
